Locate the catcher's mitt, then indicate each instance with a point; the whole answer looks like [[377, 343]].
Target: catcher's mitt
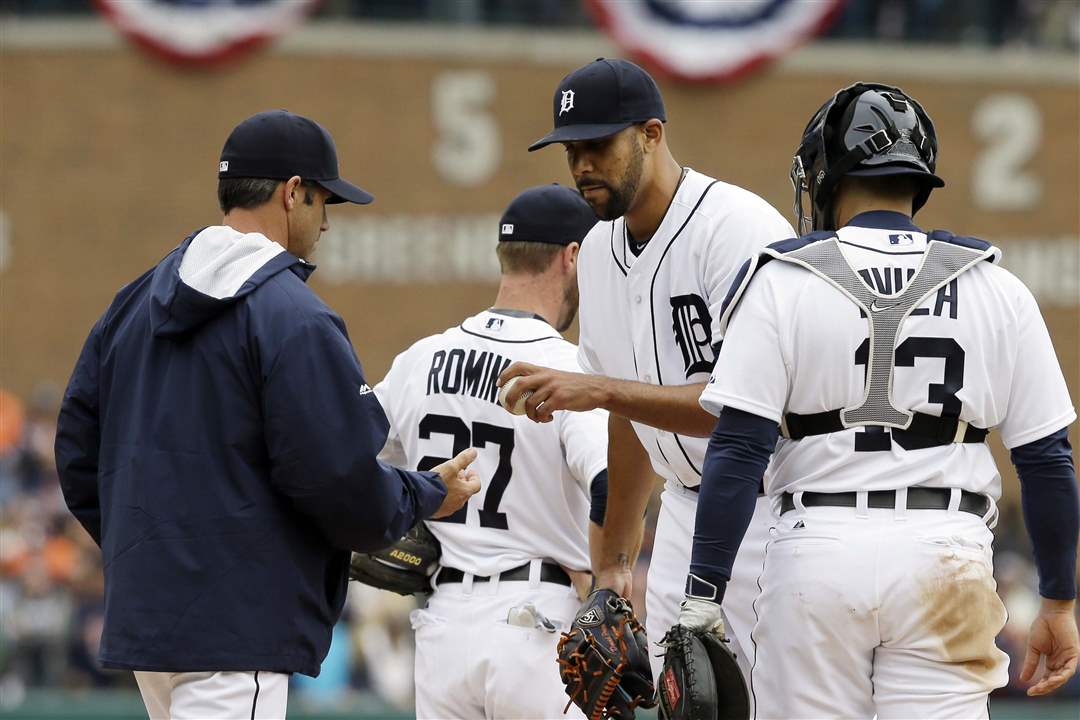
[[604, 659], [701, 679], [405, 567]]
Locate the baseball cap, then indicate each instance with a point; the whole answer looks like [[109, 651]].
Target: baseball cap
[[277, 145], [600, 99], [552, 214]]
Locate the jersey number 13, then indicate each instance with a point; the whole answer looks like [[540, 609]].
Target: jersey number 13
[[876, 439]]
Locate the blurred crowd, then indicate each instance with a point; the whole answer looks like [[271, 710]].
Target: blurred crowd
[[51, 589], [1035, 23]]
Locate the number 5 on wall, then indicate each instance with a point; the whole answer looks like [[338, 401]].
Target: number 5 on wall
[[467, 143]]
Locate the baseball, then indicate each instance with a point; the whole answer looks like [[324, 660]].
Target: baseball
[[519, 406]]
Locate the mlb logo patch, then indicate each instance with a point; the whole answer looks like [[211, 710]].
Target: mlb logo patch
[[494, 324], [508, 229], [902, 239]]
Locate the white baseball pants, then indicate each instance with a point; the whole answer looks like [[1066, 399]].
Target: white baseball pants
[[886, 612], [670, 563], [480, 655], [258, 695]]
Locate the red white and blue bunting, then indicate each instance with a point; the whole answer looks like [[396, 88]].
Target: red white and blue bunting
[[711, 40], [204, 32]]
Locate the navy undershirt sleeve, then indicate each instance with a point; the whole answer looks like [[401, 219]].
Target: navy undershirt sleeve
[[598, 493], [738, 455], [1051, 505]]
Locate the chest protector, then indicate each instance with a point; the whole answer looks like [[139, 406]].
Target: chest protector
[[946, 257]]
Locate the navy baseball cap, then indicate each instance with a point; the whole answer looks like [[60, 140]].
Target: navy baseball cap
[[277, 145], [552, 214], [600, 99]]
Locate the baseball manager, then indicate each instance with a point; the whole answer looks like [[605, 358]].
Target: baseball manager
[[218, 441]]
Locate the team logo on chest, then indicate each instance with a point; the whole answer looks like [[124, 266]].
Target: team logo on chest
[[691, 322], [567, 101]]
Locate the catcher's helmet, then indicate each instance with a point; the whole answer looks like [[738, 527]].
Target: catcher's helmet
[[865, 129]]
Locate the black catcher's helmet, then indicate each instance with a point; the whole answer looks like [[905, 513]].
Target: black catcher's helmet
[[865, 129]]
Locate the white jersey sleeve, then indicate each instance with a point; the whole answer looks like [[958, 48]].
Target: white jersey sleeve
[[749, 226], [589, 263], [1038, 399], [583, 435], [752, 371], [584, 440]]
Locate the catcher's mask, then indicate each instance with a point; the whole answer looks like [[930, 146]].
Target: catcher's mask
[[866, 129]]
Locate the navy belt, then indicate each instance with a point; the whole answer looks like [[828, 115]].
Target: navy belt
[[918, 498], [549, 572]]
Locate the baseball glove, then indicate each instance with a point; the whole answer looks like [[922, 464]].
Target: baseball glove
[[701, 679], [405, 567], [604, 659]]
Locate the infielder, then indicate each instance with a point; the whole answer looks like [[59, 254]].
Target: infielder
[[653, 274], [883, 355], [485, 643]]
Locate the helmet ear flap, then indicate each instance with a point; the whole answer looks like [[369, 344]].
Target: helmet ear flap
[[821, 202]]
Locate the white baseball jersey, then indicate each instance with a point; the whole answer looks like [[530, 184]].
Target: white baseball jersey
[[978, 345], [651, 318], [440, 397]]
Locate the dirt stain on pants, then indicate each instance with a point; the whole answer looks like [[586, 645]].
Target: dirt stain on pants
[[962, 608]]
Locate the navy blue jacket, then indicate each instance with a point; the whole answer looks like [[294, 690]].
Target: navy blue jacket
[[222, 452]]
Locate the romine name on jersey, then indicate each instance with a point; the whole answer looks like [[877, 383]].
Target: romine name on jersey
[[461, 372]]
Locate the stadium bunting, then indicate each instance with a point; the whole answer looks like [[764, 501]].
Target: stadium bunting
[[711, 40], [204, 32]]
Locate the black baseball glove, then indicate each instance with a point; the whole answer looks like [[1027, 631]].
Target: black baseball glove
[[701, 679], [604, 659], [405, 567]]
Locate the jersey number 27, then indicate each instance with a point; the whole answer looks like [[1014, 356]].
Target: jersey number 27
[[478, 436]]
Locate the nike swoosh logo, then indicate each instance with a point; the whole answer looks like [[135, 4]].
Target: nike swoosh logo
[[874, 307]]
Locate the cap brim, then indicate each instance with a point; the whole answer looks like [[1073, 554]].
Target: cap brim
[[345, 191], [575, 133], [883, 170]]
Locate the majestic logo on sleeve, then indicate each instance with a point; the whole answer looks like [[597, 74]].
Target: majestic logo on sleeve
[[691, 322], [567, 102]]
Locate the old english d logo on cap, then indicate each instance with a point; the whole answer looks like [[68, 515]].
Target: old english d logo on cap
[[567, 101], [600, 99]]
